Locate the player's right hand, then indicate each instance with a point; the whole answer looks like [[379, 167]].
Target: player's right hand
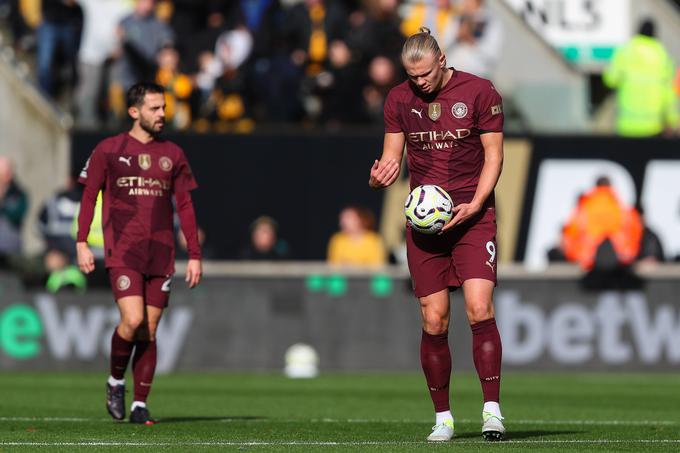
[[85, 258], [383, 174]]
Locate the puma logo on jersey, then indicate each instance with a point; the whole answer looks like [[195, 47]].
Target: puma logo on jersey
[[125, 159], [418, 112], [165, 287], [489, 264]]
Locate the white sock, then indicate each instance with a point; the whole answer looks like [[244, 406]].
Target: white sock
[[113, 381], [493, 408], [440, 417], [137, 404]]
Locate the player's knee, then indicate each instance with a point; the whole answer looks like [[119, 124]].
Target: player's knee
[[479, 313], [132, 323], [435, 324], [151, 332]]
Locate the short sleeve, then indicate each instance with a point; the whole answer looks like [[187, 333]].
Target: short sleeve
[[183, 177], [94, 172], [489, 109], [391, 114]]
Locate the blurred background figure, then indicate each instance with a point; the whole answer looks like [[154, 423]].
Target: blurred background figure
[[58, 35], [56, 218], [478, 39], [602, 231], [642, 73], [651, 248], [13, 207], [382, 76], [309, 30], [437, 15], [55, 223], [141, 37], [265, 245], [178, 88], [98, 41], [357, 242], [230, 101]]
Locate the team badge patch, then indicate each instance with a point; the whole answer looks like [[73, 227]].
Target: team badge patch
[[165, 163], [459, 110], [123, 283], [144, 161], [434, 111]]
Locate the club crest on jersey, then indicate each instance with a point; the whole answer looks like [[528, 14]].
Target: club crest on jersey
[[434, 111], [165, 163], [123, 282], [144, 161], [459, 110]]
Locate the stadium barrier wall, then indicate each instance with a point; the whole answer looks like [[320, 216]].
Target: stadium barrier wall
[[303, 180], [244, 317], [36, 137]]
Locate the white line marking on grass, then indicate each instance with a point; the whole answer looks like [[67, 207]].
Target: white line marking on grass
[[369, 420], [510, 422], [326, 444]]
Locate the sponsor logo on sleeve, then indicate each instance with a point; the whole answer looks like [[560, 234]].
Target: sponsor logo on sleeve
[[459, 110], [496, 109], [434, 111]]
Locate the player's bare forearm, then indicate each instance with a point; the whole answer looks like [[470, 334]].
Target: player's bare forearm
[[385, 171]]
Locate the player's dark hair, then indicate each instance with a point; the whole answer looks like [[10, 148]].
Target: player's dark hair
[[603, 181], [419, 45], [647, 27], [136, 93]]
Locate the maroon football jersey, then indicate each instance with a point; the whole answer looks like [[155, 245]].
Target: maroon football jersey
[[137, 181], [442, 131]]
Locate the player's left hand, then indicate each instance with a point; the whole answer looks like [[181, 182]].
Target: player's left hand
[[461, 213], [194, 272]]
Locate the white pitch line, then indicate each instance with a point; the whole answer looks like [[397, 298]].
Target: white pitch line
[[326, 444], [368, 420]]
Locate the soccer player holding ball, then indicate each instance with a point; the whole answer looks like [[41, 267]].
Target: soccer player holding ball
[[137, 174], [452, 124]]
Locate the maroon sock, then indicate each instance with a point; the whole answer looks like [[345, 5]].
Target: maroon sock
[[486, 353], [121, 350], [435, 358], [143, 368]]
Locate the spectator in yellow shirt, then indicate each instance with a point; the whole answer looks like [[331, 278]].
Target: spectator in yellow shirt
[[356, 243]]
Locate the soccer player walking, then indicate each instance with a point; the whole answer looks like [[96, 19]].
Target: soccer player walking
[[452, 124], [137, 173]]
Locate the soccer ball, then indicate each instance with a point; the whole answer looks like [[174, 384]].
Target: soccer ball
[[428, 208]]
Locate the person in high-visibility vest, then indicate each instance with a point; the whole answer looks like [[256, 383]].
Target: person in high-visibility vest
[[641, 72], [600, 215]]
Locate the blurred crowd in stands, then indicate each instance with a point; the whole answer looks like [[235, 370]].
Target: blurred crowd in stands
[[229, 64]]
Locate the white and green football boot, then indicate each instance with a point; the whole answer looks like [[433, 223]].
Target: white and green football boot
[[442, 432], [492, 428]]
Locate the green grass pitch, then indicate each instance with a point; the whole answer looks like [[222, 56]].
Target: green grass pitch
[[385, 412]]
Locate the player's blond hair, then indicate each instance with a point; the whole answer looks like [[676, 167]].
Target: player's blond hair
[[419, 45]]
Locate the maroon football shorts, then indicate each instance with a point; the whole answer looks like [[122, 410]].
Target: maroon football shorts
[[155, 289], [446, 261]]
